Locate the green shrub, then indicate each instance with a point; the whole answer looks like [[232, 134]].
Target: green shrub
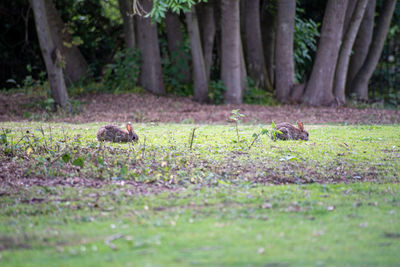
[[173, 77], [257, 96], [123, 73], [216, 92]]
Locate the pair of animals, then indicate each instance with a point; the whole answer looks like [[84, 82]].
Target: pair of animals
[[115, 134]]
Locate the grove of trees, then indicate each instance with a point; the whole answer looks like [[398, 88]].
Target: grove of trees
[[318, 53]]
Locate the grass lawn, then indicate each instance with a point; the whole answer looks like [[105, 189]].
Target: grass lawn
[[216, 198]]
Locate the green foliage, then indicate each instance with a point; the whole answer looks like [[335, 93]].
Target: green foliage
[[32, 86], [256, 135], [95, 26], [274, 132], [3, 136], [173, 77], [160, 7], [258, 96], [216, 91], [123, 73], [305, 38], [79, 162]]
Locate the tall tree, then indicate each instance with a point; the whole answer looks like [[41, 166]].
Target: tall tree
[[360, 82], [361, 45], [351, 6], [231, 72], [254, 47], [319, 89], [284, 72], [199, 69], [175, 44], [75, 64], [207, 26], [150, 68], [51, 54], [125, 7], [345, 51], [268, 31]]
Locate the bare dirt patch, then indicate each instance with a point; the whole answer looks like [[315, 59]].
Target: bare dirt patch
[[150, 108]]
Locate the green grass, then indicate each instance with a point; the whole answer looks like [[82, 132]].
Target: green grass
[[213, 205]]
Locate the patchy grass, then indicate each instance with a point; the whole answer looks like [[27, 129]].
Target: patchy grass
[[176, 200], [168, 155], [341, 225]]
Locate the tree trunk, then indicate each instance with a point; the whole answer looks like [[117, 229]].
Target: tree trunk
[[351, 7], [199, 68], [319, 88], [207, 30], [345, 51], [254, 49], [268, 30], [150, 69], [361, 45], [125, 7], [284, 72], [360, 82], [176, 44], [231, 56], [51, 54], [243, 70], [75, 64]]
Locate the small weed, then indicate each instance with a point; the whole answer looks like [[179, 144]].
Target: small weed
[[256, 135], [274, 132], [191, 139], [236, 117]]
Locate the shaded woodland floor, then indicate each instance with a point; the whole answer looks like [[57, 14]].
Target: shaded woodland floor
[[150, 108]]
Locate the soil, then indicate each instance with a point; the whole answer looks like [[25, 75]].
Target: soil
[[149, 108]]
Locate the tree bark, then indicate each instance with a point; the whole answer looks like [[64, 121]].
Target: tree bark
[[207, 31], [231, 55], [176, 43], [345, 51], [351, 7], [361, 45], [51, 54], [284, 72], [199, 69], [268, 30], [319, 89], [360, 82], [75, 64], [150, 71], [125, 7], [243, 70], [254, 49]]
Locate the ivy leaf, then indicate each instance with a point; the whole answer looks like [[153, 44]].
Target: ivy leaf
[[66, 157], [78, 162]]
